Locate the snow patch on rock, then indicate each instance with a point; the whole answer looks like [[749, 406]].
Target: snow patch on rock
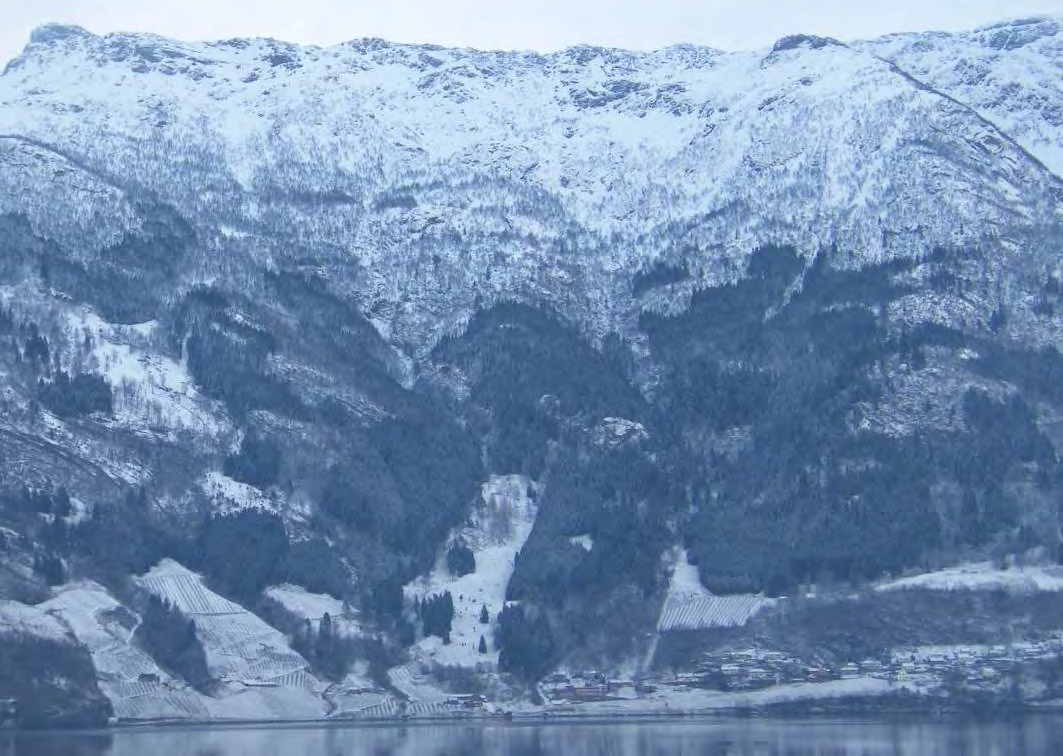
[[631, 157], [616, 432], [585, 541]]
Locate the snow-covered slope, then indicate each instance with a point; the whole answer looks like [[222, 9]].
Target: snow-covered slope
[[312, 607], [496, 531], [154, 392], [136, 686], [46, 671], [983, 576], [1009, 73], [259, 670], [434, 175], [16, 617]]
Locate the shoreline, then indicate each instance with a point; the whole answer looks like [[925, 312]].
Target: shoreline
[[835, 712]]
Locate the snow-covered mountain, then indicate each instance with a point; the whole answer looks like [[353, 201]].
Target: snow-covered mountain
[[1009, 73], [310, 322], [442, 175]]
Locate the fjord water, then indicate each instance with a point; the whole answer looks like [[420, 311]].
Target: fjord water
[[1030, 736]]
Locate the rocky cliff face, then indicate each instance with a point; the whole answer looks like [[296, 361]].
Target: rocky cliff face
[[795, 309]]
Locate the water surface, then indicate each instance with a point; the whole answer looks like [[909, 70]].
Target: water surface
[[1030, 736]]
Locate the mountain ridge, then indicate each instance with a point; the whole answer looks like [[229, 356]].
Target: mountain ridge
[[579, 167], [57, 30]]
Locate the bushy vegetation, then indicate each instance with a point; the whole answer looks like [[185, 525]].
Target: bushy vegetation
[[172, 641], [436, 614], [416, 464], [385, 600], [228, 356], [808, 497], [526, 643], [129, 281], [36, 351], [313, 564], [753, 453], [242, 553], [53, 681], [422, 469], [51, 569], [460, 560], [75, 397], [25, 499], [329, 651], [127, 537], [621, 499], [522, 363], [657, 276], [537, 418], [257, 462]]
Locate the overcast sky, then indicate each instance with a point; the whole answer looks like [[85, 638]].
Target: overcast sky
[[512, 24]]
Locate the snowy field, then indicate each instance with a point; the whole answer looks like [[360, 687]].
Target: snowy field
[[411, 684], [680, 701], [16, 617], [105, 628], [690, 606], [373, 704], [303, 604], [983, 576], [262, 677], [495, 532]]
